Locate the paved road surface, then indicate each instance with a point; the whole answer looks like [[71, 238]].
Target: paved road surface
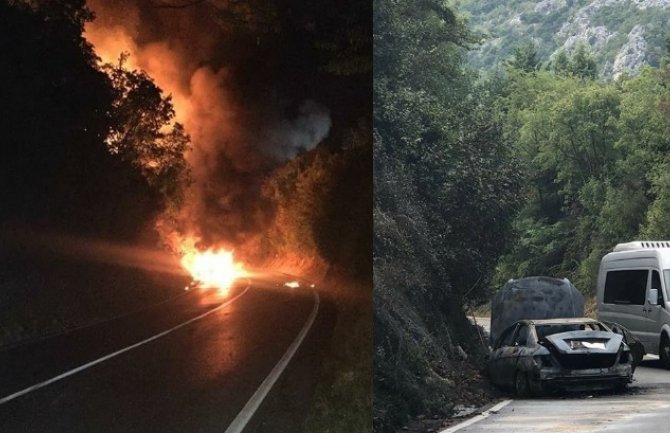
[[196, 378], [645, 407]]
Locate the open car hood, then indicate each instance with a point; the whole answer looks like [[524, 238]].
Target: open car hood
[[574, 342]]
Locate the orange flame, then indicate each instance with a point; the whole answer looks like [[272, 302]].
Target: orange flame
[[213, 269]]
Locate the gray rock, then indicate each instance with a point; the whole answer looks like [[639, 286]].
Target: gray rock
[[646, 4], [546, 7], [632, 55]]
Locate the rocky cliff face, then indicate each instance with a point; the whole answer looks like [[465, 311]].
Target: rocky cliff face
[[623, 35]]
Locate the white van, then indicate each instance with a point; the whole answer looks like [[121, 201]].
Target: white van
[[633, 291]]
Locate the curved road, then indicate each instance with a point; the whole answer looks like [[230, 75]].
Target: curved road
[[188, 365]]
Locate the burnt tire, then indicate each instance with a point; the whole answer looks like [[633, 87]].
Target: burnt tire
[[521, 384], [664, 352], [538, 388], [621, 387]]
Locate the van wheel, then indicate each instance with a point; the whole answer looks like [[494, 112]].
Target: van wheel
[[664, 351]]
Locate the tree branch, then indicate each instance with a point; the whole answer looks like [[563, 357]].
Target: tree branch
[[184, 5]]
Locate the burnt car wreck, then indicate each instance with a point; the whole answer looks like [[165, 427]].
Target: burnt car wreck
[[533, 357]]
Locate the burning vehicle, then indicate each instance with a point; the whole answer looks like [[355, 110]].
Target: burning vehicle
[[535, 356]]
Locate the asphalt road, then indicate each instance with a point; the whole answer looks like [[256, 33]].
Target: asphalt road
[[188, 365], [643, 407]]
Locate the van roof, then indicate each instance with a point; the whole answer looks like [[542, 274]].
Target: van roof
[[658, 251], [641, 245]]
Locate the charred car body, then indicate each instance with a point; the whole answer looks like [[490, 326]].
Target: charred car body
[[535, 356]]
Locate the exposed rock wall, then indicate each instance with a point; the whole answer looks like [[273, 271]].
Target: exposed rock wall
[[623, 35], [632, 55]]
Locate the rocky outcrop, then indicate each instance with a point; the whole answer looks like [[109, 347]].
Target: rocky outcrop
[[580, 29], [553, 25], [633, 55], [545, 7], [645, 4], [595, 37]]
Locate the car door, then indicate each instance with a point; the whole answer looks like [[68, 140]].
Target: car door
[[510, 354], [499, 354]]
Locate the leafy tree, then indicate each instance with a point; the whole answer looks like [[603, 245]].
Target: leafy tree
[[322, 202], [525, 58], [143, 132], [582, 64], [57, 111], [560, 64], [596, 157]]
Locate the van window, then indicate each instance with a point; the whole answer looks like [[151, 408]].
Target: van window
[[626, 287], [656, 284], [666, 277]]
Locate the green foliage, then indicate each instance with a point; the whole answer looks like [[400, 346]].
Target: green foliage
[[596, 157], [55, 114], [143, 132], [525, 58], [322, 201], [446, 188], [560, 64], [582, 64]]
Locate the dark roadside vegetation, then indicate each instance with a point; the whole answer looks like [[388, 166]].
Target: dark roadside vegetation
[[538, 168], [58, 177], [75, 141]]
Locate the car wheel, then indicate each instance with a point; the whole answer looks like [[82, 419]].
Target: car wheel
[[521, 384], [664, 351], [538, 388]]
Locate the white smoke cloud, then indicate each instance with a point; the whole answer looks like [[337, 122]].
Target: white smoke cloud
[[292, 136]]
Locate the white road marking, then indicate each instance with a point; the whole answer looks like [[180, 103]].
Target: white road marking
[[477, 418], [255, 401], [117, 353]]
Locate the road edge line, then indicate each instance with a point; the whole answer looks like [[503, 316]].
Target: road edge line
[[83, 367], [477, 418], [250, 408]]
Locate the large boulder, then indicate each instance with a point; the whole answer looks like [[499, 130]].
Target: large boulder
[[534, 298]]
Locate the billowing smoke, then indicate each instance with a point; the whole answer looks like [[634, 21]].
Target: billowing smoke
[[235, 143], [292, 136]]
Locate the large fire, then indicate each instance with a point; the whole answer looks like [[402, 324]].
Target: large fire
[[213, 269]]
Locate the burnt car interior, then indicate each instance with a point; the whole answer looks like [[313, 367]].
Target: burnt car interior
[[544, 331]]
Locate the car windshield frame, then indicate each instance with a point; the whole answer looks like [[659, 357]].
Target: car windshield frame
[[541, 329]]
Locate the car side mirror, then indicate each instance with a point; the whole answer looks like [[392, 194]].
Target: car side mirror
[[653, 297]]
